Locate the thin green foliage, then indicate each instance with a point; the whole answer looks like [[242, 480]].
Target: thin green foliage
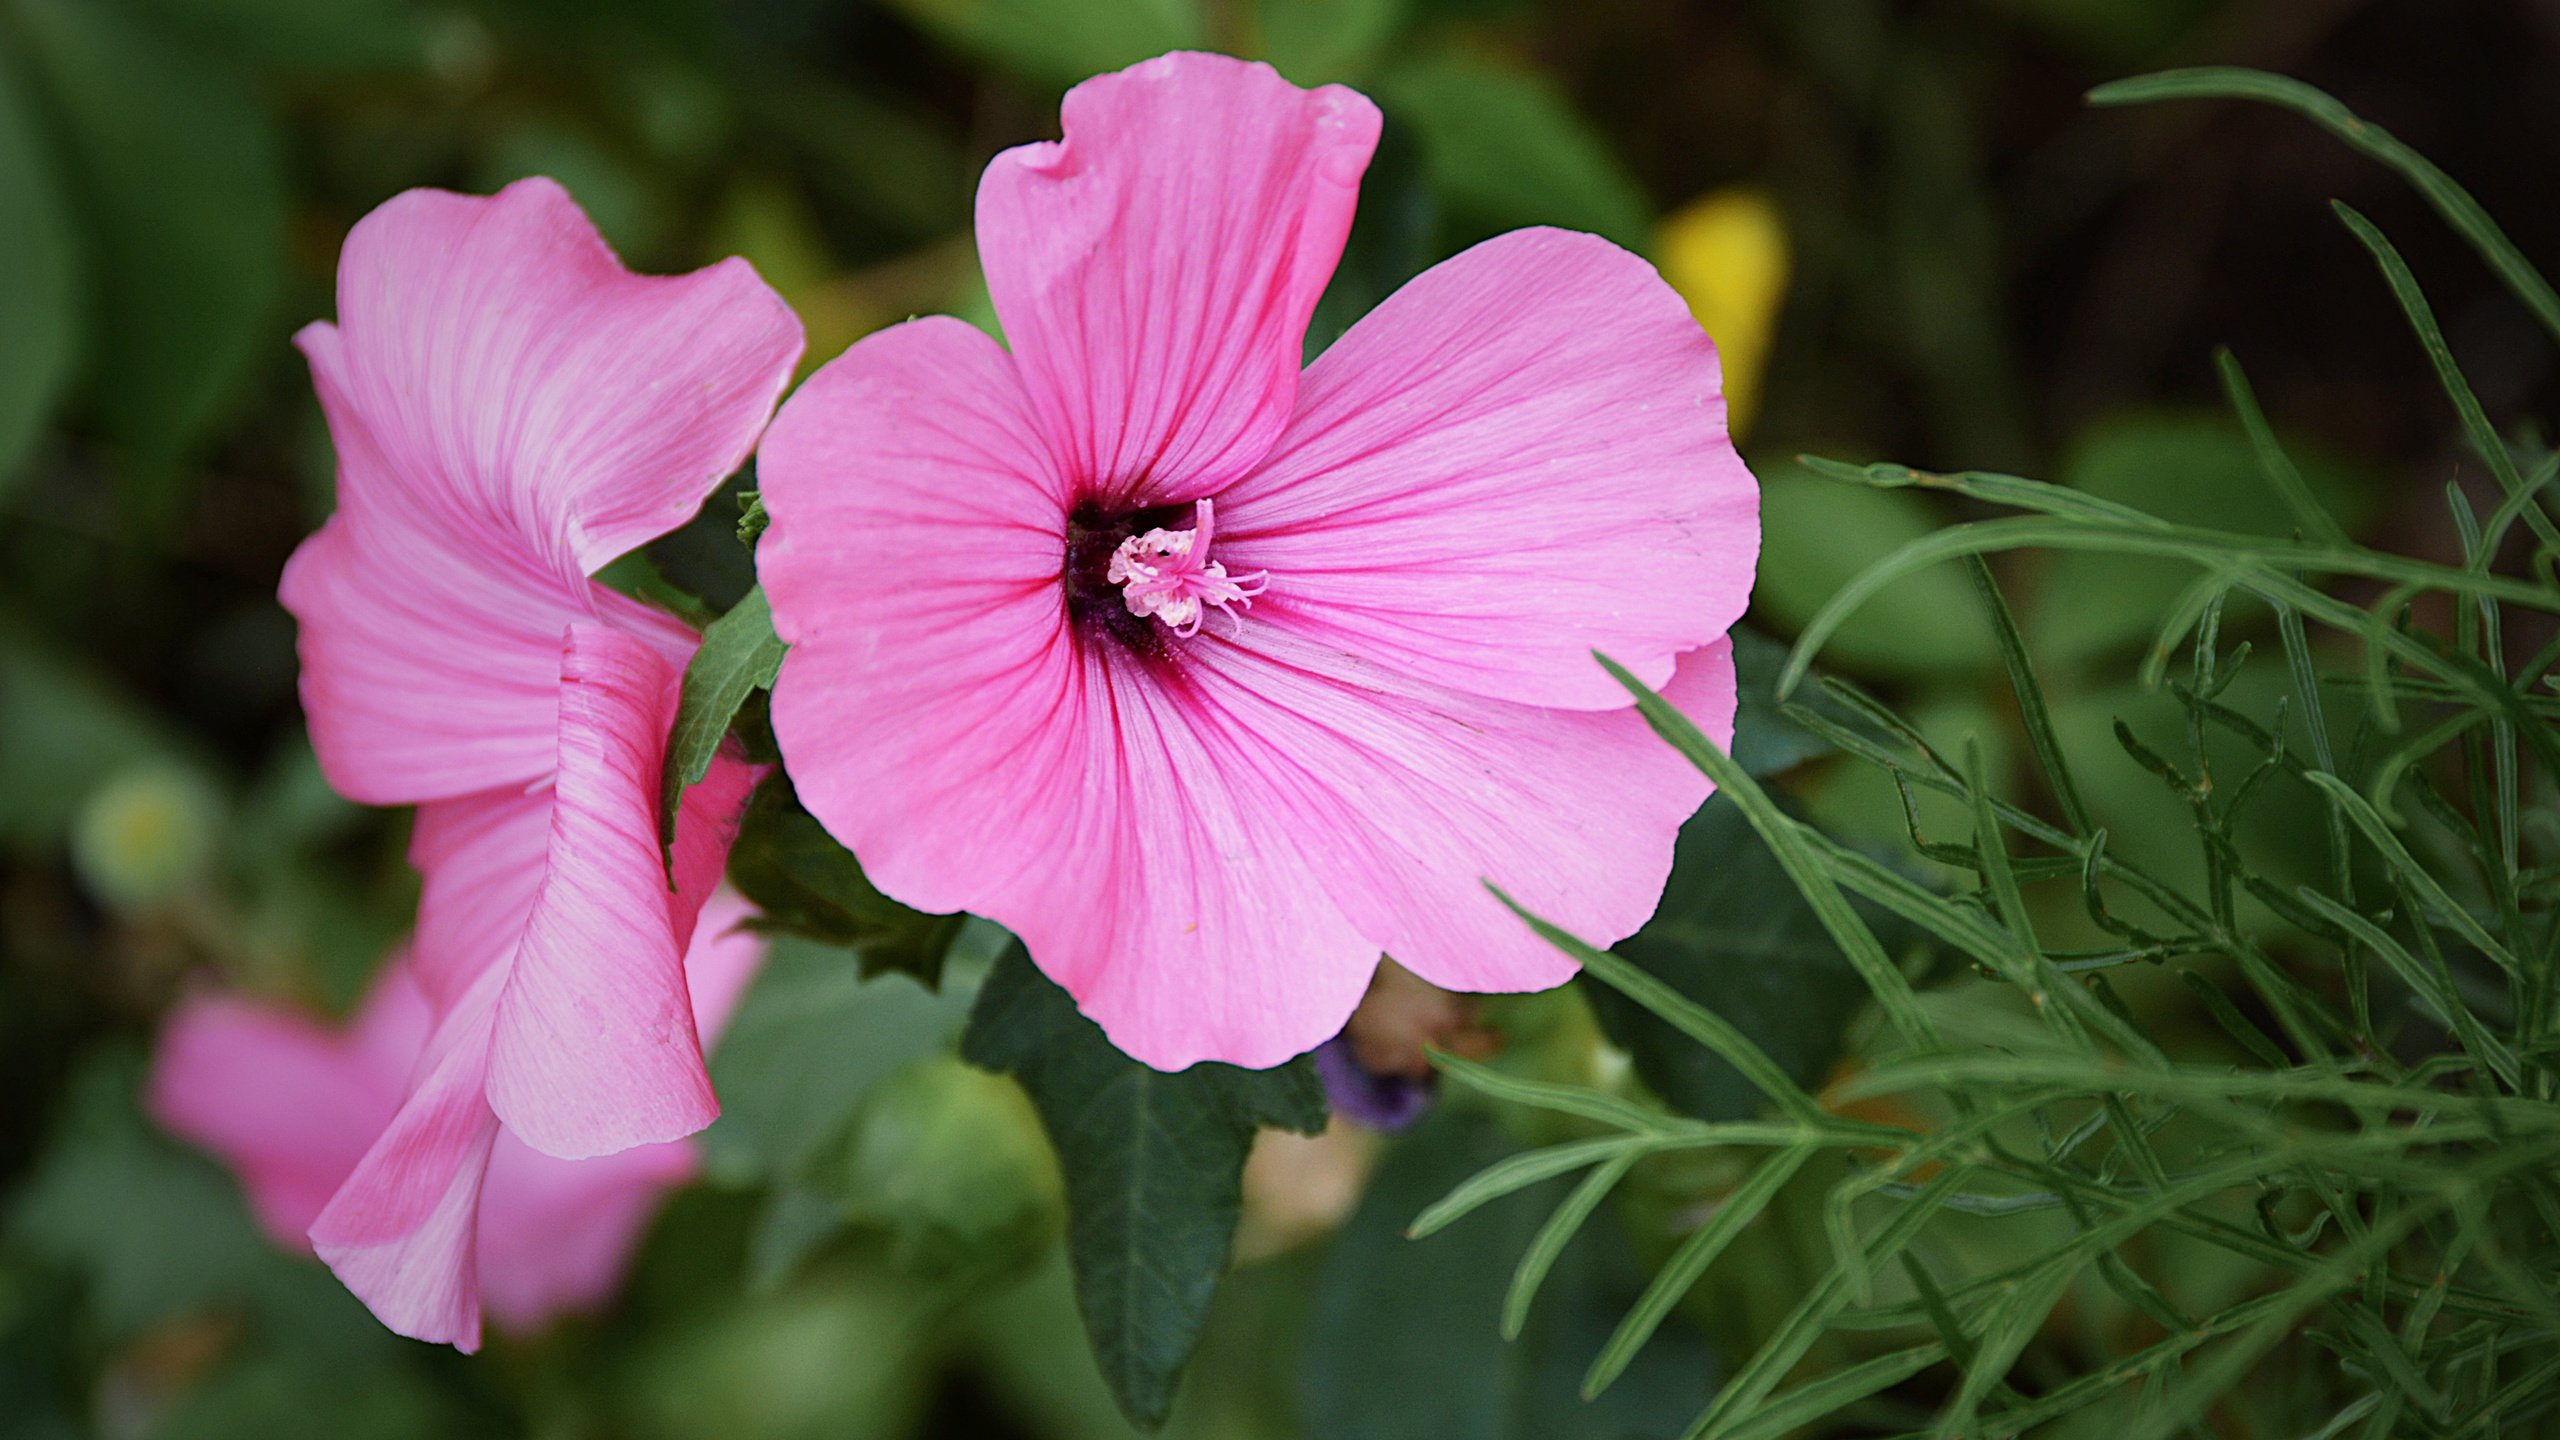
[[2360, 1120]]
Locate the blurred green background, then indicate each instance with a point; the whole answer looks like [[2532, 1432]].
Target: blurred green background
[[1912, 239]]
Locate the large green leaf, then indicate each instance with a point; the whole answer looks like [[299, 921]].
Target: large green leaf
[[1153, 1165], [181, 176], [40, 283], [1735, 936], [808, 885], [1403, 1343], [1506, 151]]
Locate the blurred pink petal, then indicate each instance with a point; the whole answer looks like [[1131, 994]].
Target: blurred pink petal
[[1156, 268], [513, 410], [453, 1213], [1207, 807]]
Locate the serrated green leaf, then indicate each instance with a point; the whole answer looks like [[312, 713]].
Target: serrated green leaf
[[180, 174], [40, 298], [1153, 1165], [808, 885], [739, 656]]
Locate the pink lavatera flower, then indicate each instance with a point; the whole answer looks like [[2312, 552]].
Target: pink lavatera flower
[[291, 1106], [1026, 680], [512, 410]]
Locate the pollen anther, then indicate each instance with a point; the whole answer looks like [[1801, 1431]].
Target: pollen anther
[[1168, 574]]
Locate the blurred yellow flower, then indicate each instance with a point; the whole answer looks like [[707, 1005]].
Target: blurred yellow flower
[[1726, 253]]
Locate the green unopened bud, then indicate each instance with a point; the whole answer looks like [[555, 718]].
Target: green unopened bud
[[951, 1161], [143, 834]]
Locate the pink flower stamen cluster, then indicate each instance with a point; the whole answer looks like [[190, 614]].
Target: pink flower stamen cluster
[[1168, 574]]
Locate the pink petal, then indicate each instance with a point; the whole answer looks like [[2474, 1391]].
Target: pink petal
[[530, 392], [1156, 268], [481, 860], [722, 961], [1518, 459], [402, 1231], [287, 1104], [512, 410], [912, 562], [1411, 799], [555, 1234], [940, 720], [595, 1048]]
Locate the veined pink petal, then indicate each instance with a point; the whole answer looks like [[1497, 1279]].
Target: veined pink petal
[[511, 409], [913, 558], [1518, 459], [481, 861], [594, 1048], [1156, 268], [531, 393], [1411, 798], [944, 723], [402, 1232], [722, 959]]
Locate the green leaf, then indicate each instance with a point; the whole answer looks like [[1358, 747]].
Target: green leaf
[[39, 286], [180, 173], [1403, 1345], [2190, 469], [1817, 535], [811, 1038], [1062, 41], [1153, 1165], [1734, 935], [808, 885], [1506, 151], [739, 656], [308, 37], [1316, 42]]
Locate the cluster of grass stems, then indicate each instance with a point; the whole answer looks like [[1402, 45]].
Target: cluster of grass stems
[[2382, 1163]]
